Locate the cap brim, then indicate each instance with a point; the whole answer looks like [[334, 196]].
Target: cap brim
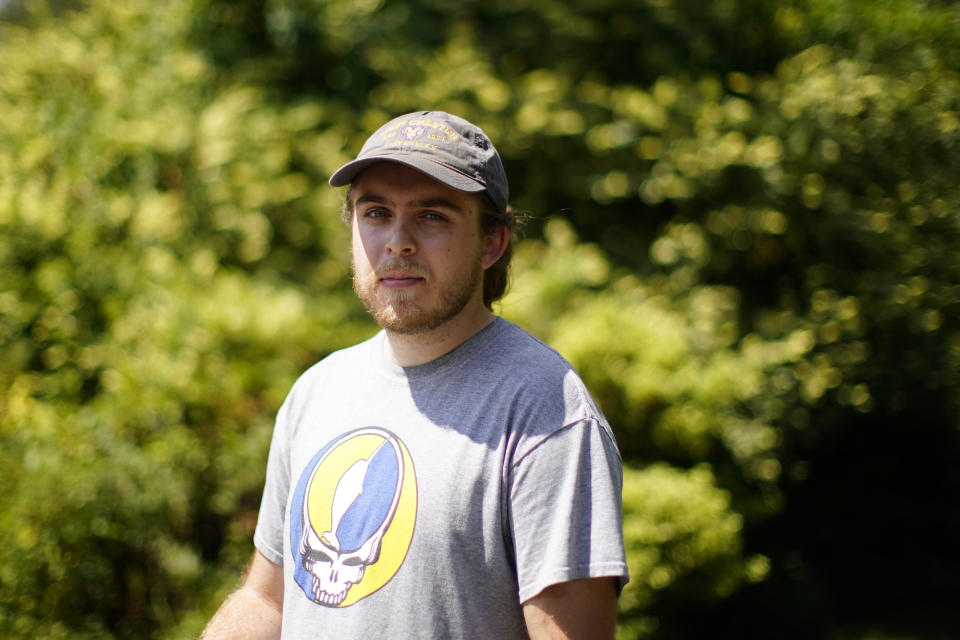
[[440, 172]]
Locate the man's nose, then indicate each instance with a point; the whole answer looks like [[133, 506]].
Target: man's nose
[[401, 241]]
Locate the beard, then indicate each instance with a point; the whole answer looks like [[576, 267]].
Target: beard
[[401, 312]]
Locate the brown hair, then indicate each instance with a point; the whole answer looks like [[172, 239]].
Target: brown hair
[[496, 277]]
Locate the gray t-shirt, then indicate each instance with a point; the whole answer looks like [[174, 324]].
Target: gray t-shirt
[[431, 501]]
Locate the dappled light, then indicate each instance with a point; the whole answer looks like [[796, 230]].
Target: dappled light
[[742, 230]]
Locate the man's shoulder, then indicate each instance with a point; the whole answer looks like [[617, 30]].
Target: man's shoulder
[[543, 383], [526, 352], [339, 363], [531, 364]]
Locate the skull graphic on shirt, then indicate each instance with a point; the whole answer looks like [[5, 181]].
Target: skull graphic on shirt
[[363, 506]]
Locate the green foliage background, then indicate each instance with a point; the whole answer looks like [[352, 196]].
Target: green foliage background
[[745, 233]]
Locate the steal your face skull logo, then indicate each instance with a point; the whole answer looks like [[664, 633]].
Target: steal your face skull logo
[[352, 492]]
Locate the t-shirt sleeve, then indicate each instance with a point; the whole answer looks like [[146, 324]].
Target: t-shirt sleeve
[[565, 509], [268, 536]]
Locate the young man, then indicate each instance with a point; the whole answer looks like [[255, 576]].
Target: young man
[[451, 477]]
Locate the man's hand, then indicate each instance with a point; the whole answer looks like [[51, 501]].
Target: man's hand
[[254, 610], [580, 609]]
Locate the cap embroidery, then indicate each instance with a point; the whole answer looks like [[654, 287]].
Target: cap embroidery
[[412, 132]]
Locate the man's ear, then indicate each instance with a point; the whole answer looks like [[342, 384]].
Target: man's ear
[[494, 244]]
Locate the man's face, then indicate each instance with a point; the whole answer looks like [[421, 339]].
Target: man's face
[[418, 253]]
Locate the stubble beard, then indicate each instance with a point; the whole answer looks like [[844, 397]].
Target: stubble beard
[[399, 311]]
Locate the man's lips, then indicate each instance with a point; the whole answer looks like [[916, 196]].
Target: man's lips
[[400, 281]]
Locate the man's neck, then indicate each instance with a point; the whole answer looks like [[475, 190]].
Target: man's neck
[[410, 350]]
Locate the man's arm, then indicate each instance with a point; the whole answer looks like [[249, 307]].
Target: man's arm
[[252, 612], [580, 609]]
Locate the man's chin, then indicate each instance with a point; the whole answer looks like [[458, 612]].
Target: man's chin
[[406, 318], [406, 322], [403, 312]]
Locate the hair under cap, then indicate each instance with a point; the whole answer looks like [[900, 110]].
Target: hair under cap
[[445, 147]]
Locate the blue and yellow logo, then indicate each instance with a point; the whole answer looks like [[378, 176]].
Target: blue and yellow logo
[[352, 516]]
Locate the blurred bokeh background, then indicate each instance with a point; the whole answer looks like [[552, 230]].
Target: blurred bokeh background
[[744, 231]]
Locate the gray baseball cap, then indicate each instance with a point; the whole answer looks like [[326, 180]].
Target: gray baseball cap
[[445, 147]]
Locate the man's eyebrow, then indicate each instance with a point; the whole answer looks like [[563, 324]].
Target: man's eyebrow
[[426, 203], [438, 203], [371, 198]]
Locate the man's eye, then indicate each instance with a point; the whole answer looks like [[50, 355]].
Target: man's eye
[[376, 213], [434, 217]]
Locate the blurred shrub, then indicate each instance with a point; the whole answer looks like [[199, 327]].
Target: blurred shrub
[[682, 538], [168, 268]]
